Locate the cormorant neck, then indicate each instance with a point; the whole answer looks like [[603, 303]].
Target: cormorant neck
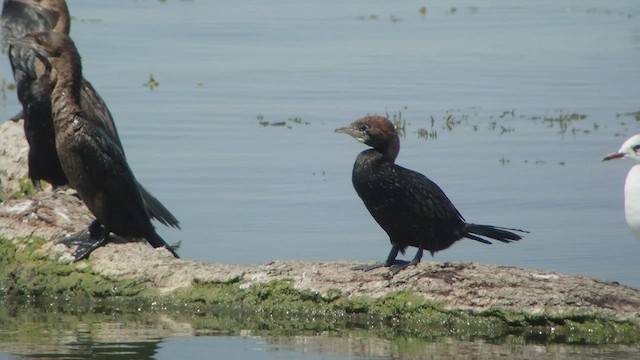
[[68, 76], [65, 97], [63, 23], [391, 150]]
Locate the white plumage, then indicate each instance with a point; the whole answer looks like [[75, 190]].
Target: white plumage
[[630, 149]]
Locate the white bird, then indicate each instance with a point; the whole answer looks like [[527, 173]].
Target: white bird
[[630, 149]]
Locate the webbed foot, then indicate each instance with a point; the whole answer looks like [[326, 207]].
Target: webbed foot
[[87, 240], [18, 116], [368, 267], [78, 239], [401, 265], [390, 264]]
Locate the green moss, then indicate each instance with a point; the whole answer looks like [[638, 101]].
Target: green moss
[[396, 314], [28, 272], [28, 278], [26, 188]]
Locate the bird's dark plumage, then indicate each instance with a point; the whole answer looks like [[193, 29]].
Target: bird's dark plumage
[[92, 161], [412, 209], [34, 86]]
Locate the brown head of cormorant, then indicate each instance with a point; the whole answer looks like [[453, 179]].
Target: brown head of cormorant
[[412, 209], [93, 163]]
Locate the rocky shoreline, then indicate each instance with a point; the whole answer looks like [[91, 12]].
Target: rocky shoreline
[[33, 263]]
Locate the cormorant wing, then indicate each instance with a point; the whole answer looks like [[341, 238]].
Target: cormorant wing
[[97, 112], [423, 196]]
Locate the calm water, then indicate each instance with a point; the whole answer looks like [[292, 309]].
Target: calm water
[[247, 193]]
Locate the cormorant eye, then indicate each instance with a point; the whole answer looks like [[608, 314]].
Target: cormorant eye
[[363, 128]]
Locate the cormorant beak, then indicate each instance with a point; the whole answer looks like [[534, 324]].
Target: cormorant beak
[[350, 130], [615, 155]]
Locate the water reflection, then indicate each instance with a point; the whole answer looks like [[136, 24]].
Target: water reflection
[[162, 338]]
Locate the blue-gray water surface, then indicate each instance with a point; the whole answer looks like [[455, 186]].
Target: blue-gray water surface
[[249, 193]]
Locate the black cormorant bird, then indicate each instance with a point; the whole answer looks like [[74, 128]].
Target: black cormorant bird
[[412, 209], [34, 87], [92, 161]]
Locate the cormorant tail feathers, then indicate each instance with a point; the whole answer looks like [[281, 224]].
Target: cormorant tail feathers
[[157, 210], [493, 232]]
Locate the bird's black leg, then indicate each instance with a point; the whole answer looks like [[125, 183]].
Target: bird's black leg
[[391, 260], [37, 184], [396, 268]]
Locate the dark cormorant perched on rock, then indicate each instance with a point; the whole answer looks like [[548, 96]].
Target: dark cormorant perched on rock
[[93, 162], [412, 209], [34, 87], [20, 17]]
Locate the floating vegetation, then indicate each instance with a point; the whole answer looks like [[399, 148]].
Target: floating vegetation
[[321, 174], [608, 13], [284, 123], [451, 122], [398, 122], [152, 83], [370, 17], [503, 161], [564, 120], [453, 10], [374, 17], [536, 162], [4, 88], [423, 11], [505, 113], [635, 114], [428, 134], [261, 121], [504, 130]]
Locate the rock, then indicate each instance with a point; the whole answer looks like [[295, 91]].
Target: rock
[[13, 157], [462, 285]]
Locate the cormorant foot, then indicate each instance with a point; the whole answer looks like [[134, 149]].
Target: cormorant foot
[[172, 251], [369, 267], [388, 264], [401, 265], [37, 184], [85, 250], [80, 238], [17, 117], [175, 245], [86, 240]]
